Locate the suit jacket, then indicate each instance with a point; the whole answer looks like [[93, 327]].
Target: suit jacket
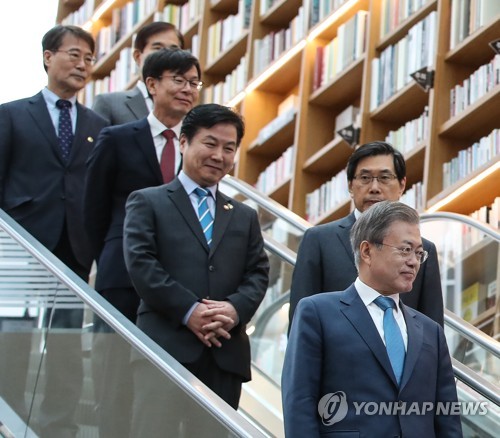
[[37, 187], [334, 346], [172, 268], [325, 262], [123, 160], [122, 106]]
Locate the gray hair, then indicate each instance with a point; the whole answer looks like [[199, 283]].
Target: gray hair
[[374, 223]]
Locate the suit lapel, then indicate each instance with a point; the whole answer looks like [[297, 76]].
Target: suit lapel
[[144, 142], [181, 200], [223, 214], [81, 131], [356, 312], [136, 103], [41, 117], [343, 233], [415, 338]]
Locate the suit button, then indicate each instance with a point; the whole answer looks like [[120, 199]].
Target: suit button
[[211, 268], [400, 403]]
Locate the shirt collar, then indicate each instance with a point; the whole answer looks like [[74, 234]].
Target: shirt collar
[[357, 213], [51, 98], [189, 185], [368, 294], [158, 127]]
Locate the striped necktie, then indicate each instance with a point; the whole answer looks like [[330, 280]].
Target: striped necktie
[[204, 215], [393, 339]]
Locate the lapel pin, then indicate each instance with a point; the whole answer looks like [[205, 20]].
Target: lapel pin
[[228, 207], [90, 139]]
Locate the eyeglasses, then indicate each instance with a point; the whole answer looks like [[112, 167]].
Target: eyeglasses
[[407, 251], [75, 56], [181, 82], [384, 179]]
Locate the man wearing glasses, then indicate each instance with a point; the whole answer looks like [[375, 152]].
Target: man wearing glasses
[[45, 141], [134, 104], [325, 261], [130, 157], [363, 347]]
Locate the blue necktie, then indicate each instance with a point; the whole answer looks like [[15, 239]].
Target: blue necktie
[[204, 215], [393, 338], [65, 131]]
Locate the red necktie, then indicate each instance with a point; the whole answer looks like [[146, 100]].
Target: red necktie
[[167, 160]]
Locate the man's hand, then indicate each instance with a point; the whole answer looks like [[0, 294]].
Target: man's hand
[[210, 323]]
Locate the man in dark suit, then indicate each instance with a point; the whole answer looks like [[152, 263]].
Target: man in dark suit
[[126, 158], [129, 105], [45, 141], [325, 261], [360, 362], [199, 283]]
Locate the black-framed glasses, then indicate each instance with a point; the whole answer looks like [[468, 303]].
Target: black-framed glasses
[[384, 179], [407, 251], [75, 56], [181, 81]]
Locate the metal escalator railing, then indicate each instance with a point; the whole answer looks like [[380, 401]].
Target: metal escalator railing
[[34, 287]]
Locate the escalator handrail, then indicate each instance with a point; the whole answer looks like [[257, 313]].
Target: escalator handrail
[[129, 331], [472, 333], [269, 204], [475, 381], [467, 220]]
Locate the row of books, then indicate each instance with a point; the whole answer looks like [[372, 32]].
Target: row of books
[[123, 21], [347, 117], [276, 124], [412, 134], [277, 173], [489, 214], [327, 197], [275, 43], [233, 83], [477, 85], [471, 158], [414, 197], [346, 47], [394, 12], [391, 71], [467, 16], [320, 9], [225, 32], [182, 16], [82, 15]]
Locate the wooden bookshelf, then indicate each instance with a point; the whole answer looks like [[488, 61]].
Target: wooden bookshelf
[[319, 152]]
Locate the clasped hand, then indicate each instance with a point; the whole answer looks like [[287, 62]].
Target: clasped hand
[[212, 320]]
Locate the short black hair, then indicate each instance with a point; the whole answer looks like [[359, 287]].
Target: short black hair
[[208, 115], [52, 40], [175, 60], [145, 33], [373, 149]]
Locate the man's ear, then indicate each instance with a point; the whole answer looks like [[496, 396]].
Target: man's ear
[[151, 85], [365, 252]]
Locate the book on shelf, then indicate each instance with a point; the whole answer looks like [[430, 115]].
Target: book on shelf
[[473, 301], [491, 294]]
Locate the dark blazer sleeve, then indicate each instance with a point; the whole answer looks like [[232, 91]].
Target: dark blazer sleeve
[[5, 149], [446, 426], [302, 373], [252, 288], [100, 177], [431, 294], [153, 283], [307, 274]]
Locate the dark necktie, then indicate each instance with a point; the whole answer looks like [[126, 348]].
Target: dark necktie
[[167, 160], [65, 129], [204, 215], [393, 339]]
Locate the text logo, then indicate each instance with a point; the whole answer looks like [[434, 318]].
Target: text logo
[[332, 408]]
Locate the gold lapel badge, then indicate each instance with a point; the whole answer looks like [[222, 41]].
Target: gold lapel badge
[[228, 206], [90, 139]]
